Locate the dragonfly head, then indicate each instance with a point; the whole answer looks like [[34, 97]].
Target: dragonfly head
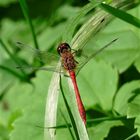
[[63, 47]]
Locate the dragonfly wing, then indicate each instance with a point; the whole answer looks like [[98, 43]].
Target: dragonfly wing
[[83, 63], [30, 68], [42, 56]]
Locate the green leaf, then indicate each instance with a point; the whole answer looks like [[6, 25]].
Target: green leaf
[[6, 2], [15, 92], [33, 109], [31, 100], [18, 28], [98, 84], [137, 125], [9, 80], [121, 14], [123, 96], [137, 63], [14, 116], [134, 107], [51, 33], [101, 130], [35, 113], [121, 53], [3, 132]]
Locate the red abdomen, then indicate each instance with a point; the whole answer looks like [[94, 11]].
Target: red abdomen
[[78, 98]]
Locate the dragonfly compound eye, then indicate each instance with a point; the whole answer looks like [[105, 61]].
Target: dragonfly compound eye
[[63, 47]]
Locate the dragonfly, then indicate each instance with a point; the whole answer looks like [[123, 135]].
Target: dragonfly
[[68, 63]]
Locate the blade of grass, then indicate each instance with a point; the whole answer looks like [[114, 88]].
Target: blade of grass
[[25, 11], [69, 111], [79, 123], [89, 122], [51, 106], [73, 22], [8, 52], [22, 78], [56, 127], [14, 60], [132, 136], [5, 91], [96, 53], [91, 27], [97, 22], [121, 15], [67, 124]]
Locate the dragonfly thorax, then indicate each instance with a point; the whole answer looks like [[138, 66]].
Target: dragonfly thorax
[[68, 61]]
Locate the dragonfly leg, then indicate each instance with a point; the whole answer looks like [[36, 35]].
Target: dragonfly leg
[[76, 62], [79, 53]]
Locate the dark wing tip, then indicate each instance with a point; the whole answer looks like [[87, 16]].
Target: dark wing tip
[[18, 67], [115, 39], [18, 44]]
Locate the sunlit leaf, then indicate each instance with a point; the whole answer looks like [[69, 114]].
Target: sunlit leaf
[[100, 131], [102, 85], [134, 107], [123, 96]]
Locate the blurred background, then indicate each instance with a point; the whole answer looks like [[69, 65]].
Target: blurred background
[[109, 84]]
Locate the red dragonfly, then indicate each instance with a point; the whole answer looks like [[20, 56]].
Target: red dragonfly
[[69, 63]]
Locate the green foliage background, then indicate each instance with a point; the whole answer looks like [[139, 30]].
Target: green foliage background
[[109, 84]]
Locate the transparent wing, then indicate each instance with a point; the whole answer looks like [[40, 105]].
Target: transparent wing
[[86, 59], [30, 68], [42, 56], [80, 39], [49, 61]]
